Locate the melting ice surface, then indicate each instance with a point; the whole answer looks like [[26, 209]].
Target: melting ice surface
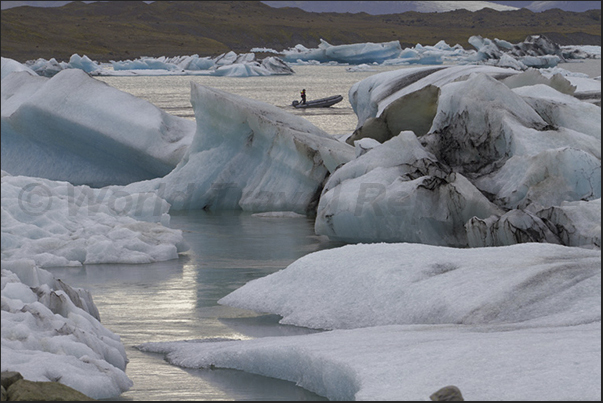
[[517, 318]]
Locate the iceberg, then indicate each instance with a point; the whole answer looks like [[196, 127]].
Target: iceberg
[[500, 149], [407, 319], [369, 97], [10, 65], [55, 223], [248, 155], [228, 64], [144, 63], [399, 192], [246, 66], [48, 130], [580, 222], [83, 63], [536, 51], [357, 53], [492, 157], [46, 68], [52, 332]]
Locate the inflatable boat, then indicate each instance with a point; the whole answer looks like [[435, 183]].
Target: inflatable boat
[[319, 103]]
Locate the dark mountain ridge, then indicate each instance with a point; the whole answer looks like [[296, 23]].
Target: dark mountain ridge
[[129, 29]]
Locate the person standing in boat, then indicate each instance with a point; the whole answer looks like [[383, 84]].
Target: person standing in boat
[[303, 96]]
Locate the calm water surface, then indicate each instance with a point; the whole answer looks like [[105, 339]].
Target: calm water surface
[[177, 300], [173, 93]]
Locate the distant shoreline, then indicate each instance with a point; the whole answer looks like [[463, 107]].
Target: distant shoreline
[[106, 31]]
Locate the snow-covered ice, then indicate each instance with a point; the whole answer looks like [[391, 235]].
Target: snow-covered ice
[[58, 224], [10, 65], [52, 332], [520, 322]]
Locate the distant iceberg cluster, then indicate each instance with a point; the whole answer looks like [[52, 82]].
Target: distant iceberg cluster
[[227, 64], [535, 51]]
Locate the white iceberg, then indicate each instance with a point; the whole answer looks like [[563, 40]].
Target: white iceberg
[[521, 322], [535, 51], [52, 332], [58, 224], [83, 63], [227, 64], [10, 65], [73, 127], [248, 66], [143, 64], [369, 97], [580, 222], [248, 155]]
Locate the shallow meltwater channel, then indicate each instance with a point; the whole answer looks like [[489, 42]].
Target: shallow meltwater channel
[[177, 300]]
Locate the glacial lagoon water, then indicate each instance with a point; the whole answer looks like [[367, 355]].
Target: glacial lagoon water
[[177, 300], [172, 93]]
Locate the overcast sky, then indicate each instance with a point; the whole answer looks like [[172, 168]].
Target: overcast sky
[[374, 7]]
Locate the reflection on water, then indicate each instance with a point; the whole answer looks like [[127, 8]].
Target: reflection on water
[[177, 300]]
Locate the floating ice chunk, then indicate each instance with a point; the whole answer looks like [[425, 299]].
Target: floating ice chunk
[[241, 70], [357, 53], [547, 178], [578, 223], [249, 155], [46, 68], [540, 62], [276, 66], [10, 65], [515, 226], [369, 97], [414, 111], [83, 63], [52, 332], [195, 62], [73, 127], [398, 192], [58, 224], [475, 122], [143, 64], [561, 110], [404, 283]]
